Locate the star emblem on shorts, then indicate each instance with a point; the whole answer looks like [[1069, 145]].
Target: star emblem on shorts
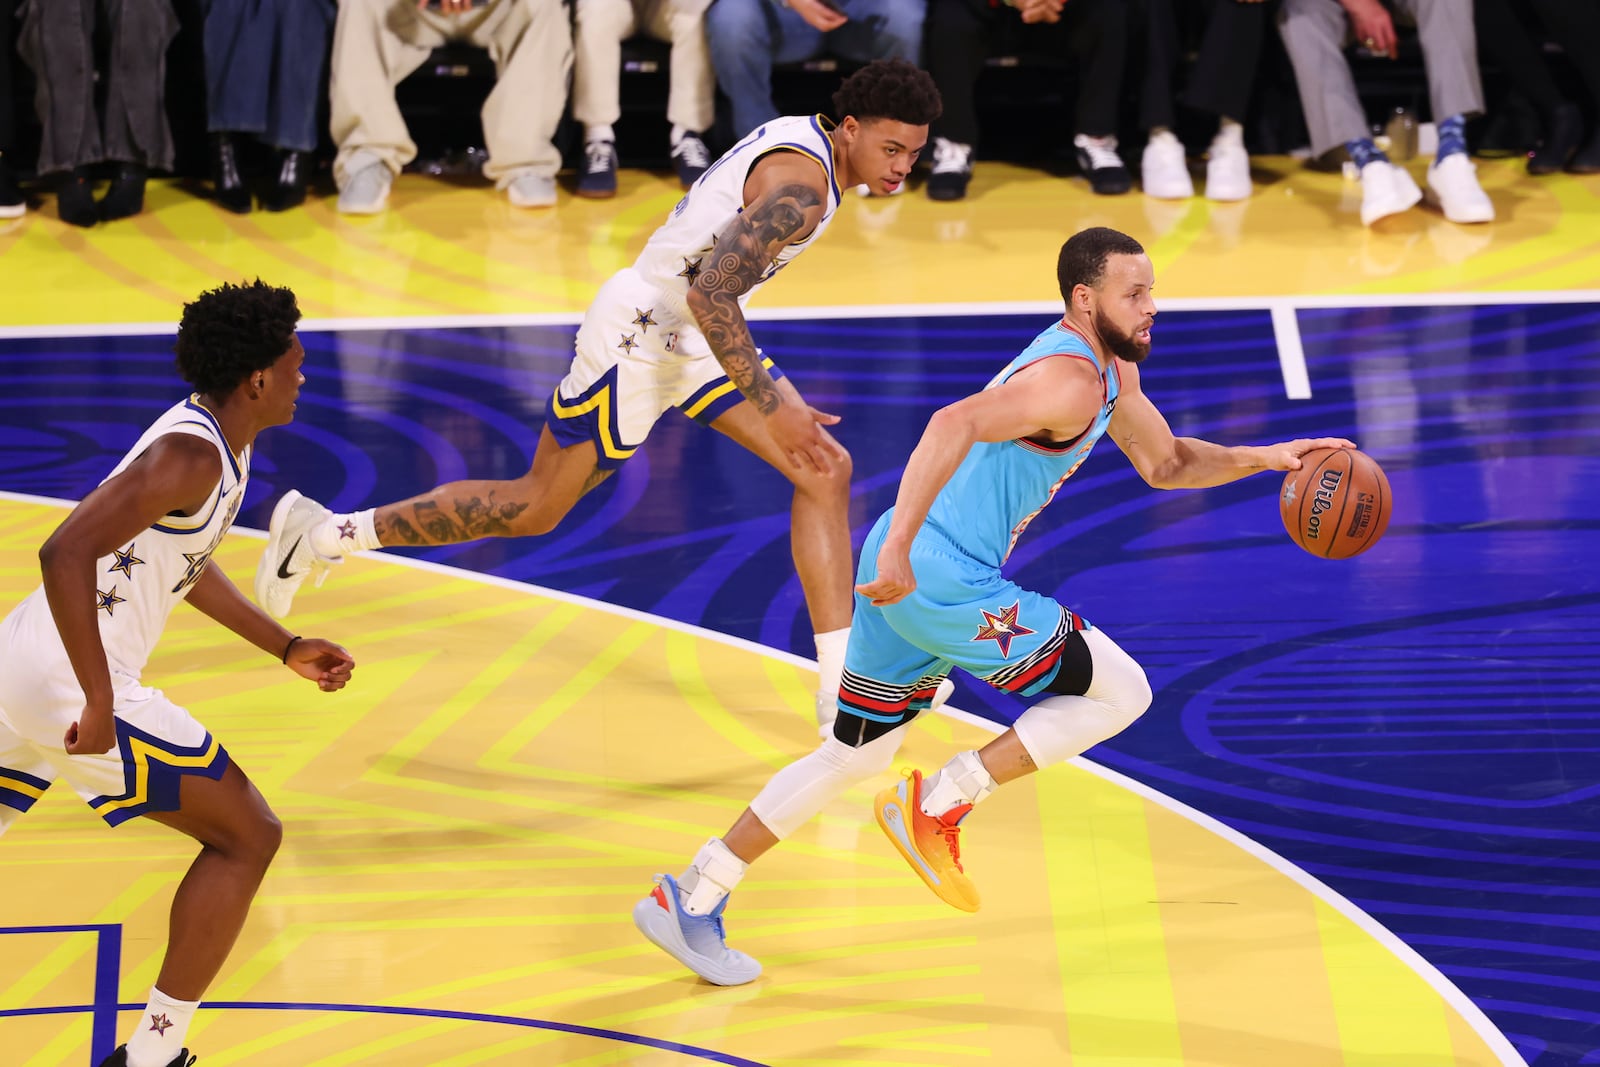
[[627, 344], [160, 1023], [643, 319], [348, 530], [1002, 628], [691, 268], [125, 561], [107, 602]]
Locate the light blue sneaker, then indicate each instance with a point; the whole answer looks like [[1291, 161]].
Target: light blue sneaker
[[696, 941]]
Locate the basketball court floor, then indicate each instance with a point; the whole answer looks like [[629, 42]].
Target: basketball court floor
[[1356, 828]]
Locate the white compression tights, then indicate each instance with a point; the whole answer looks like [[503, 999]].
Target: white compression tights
[[1061, 727], [801, 790]]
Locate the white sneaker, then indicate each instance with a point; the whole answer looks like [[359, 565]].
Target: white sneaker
[[532, 190], [289, 557], [1386, 190], [1454, 181], [828, 707], [367, 190], [1228, 172], [1164, 170]]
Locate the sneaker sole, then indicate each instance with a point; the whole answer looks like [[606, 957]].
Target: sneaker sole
[[595, 194], [660, 928], [890, 815], [270, 555]]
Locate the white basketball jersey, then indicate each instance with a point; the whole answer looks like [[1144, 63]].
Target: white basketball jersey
[[138, 585], [678, 250]]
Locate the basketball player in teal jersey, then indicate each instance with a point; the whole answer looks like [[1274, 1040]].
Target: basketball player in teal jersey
[[931, 597], [670, 332], [72, 705]]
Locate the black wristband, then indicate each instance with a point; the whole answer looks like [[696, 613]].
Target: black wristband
[[287, 647]]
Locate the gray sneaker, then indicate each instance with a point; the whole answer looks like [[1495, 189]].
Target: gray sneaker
[[696, 941], [532, 190], [289, 557], [367, 190]]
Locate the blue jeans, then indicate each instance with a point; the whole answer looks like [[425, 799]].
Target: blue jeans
[[748, 37], [266, 65]]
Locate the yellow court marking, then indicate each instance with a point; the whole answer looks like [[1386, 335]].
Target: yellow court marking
[[469, 824], [444, 249]]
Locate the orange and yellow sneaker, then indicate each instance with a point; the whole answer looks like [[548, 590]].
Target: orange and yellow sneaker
[[931, 845]]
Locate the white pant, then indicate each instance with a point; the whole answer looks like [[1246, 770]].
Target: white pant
[[377, 43], [600, 28]]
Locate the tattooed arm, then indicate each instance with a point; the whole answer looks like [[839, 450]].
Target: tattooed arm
[[786, 195]]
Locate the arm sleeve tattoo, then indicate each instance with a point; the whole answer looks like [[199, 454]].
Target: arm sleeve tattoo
[[741, 256]]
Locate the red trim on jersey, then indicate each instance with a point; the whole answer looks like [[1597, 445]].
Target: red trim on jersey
[[1105, 396]]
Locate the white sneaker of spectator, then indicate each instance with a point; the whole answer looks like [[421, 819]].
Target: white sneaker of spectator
[[1454, 180], [366, 190], [1164, 169], [1386, 190], [530, 189], [1227, 171]]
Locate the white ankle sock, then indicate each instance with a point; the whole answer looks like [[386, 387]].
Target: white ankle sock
[[676, 135], [964, 780], [830, 661], [338, 534], [159, 1035], [714, 874], [600, 132]]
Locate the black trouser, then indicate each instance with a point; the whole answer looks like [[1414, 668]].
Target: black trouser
[[57, 41], [960, 35], [1224, 70], [8, 85], [1576, 24]]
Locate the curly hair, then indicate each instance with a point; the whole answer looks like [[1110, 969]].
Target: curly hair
[[229, 332], [1083, 257], [889, 89]]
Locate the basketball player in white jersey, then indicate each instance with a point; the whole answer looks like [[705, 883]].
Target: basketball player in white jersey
[[72, 705], [670, 332]]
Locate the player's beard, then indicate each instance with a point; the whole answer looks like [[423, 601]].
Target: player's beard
[[1122, 345]]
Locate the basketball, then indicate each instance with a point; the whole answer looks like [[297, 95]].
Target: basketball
[[1337, 504]]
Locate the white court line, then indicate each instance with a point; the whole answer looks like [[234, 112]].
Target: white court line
[[1291, 354], [1436, 980]]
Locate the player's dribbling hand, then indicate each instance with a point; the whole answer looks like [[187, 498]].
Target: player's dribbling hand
[[94, 732], [798, 430], [895, 580], [323, 662], [1286, 456]]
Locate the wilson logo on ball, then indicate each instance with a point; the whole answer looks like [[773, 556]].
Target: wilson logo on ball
[[1321, 501]]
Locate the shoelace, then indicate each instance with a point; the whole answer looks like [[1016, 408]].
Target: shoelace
[[950, 157], [1101, 154], [952, 838], [597, 156], [693, 152]]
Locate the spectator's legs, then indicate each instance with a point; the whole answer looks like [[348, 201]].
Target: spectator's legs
[[1161, 56], [879, 29], [1224, 72], [238, 64], [746, 38], [1450, 53], [1577, 27], [692, 91], [598, 29], [1313, 32], [1099, 43], [135, 120], [957, 43], [530, 42], [301, 29], [376, 43], [56, 41]]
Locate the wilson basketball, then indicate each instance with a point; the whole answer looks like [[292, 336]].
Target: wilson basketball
[[1337, 504]]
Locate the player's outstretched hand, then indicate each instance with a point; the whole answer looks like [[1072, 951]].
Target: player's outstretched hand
[[895, 580], [1286, 456], [94, 732], [798, 430], [323, 662]]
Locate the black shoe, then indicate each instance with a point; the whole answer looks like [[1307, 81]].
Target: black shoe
[[125, 198], [119, 1058], [690, 158], [226, 184], [1587, 161], [598, 181], [13, 204], [289, 190], [952, 170], [75, 199], [1563, 130], [1098, 161]]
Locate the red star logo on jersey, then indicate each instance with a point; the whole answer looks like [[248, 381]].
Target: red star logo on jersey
[[1002, 628], [160, 1023]]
